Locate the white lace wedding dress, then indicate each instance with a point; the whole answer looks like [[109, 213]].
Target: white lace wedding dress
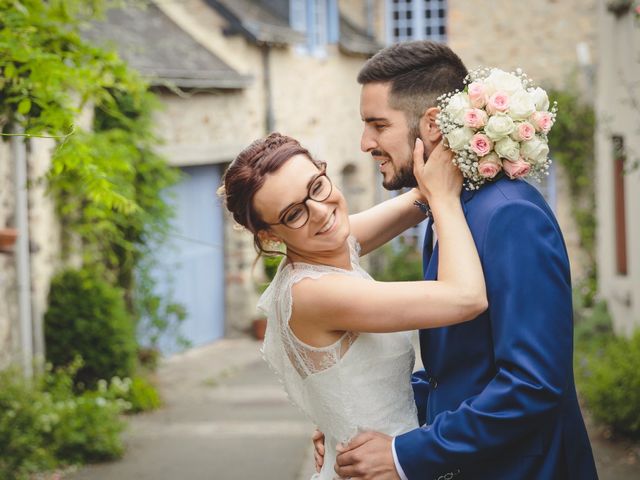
[[361, 382]]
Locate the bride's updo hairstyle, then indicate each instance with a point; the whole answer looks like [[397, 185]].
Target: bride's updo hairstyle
[[247, 174]]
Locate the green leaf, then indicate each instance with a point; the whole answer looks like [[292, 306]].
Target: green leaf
[[21, 8], [24, 106], [10, 71]]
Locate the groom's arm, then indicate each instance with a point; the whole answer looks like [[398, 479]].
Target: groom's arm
[[529, 291]]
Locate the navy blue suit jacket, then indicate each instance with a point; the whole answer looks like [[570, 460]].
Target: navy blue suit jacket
[[497, 398]]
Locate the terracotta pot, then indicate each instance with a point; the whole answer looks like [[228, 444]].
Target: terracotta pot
[[7, 238], [259, 326], [619, 7]]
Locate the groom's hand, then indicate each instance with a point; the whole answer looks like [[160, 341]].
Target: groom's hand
[[318, 448], [368, 456]]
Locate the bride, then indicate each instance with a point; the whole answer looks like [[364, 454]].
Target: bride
[[337, 338]]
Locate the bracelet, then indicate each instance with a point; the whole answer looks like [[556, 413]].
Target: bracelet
[[424, 208]]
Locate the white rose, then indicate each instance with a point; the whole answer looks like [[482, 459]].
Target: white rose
[[459, 138], [540, 99], [499, 126], [499, 80], [457, 106], [535, 150], [521, 105], [509, 149]]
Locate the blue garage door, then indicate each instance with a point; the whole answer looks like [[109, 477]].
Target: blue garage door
[[191, 266]]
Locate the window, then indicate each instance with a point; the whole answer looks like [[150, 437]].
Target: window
[[619, 156], [318, 20], [416, 20]]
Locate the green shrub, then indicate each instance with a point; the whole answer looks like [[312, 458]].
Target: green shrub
[[398, 264], [593, 327], [143, 396], [609, 381], [137, 394], [25, 422], [149, 358], [88, 430], [45, 424], [271, 264], [87, 318]]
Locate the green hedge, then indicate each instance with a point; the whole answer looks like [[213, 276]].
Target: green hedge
[[87, 318], [398, 263], [609, 381], [608, 371], [45, 424]]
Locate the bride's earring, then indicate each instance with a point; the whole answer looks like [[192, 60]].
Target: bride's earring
[[273, 245]]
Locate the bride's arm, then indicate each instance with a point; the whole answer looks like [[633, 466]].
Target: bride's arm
[[341, 302], [377, 225]]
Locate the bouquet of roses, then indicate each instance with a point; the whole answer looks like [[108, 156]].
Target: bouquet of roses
[[498, 123]]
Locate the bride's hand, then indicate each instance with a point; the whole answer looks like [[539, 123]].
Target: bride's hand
[[438, 178]]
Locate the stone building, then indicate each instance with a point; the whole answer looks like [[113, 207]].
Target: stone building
[[229, 71], [618, 163]]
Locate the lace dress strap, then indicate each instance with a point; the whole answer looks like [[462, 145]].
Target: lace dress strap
[[292, 359]]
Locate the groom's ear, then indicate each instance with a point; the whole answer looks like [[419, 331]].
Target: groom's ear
[[429, 130]]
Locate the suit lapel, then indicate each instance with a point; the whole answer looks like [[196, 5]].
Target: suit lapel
[[430, 254], [427, 247], [432, 267]]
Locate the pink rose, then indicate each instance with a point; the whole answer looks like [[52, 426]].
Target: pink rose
[[542, 121], [516, 169], [477, 95], [481, 144], [524, 131], [475, 118], [489, 166], [498, 102]]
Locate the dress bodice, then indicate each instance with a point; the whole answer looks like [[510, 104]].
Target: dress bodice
[[361, 382]]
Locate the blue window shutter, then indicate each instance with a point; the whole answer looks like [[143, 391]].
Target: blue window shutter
[[298, 15], [333, 21]]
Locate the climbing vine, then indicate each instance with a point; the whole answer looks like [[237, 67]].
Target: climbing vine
[[572, 146], [107, 181]]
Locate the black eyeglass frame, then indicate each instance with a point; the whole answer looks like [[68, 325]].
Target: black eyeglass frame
[[309, 196]]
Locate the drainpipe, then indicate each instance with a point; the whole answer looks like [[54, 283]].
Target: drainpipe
[[22, 251], [268, 100]]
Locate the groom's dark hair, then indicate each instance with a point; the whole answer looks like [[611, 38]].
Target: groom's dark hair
[[419, 72]]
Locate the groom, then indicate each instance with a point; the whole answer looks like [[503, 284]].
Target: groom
[[497, 398]]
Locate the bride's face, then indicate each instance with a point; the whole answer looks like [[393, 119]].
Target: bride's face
[[279, 201]]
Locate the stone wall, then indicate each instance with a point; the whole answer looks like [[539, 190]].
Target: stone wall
[[9, 332], [540, 36], [44, 246], [44, 233], [618, 110]]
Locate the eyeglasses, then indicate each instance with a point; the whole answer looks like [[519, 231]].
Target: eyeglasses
[[297, 215]]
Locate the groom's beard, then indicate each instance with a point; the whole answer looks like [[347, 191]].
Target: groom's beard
[[404, 177]]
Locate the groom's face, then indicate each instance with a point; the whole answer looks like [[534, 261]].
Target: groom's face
[[387, 137]]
